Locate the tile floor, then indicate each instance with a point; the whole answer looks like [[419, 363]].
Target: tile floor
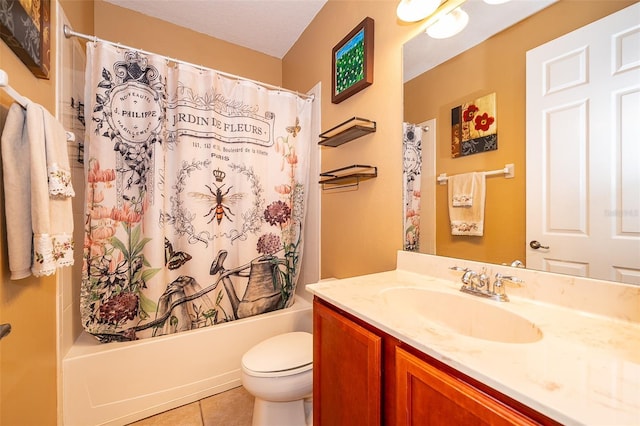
[[231, 408]]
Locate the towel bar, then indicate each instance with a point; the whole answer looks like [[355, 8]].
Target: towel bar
[[508, 171]]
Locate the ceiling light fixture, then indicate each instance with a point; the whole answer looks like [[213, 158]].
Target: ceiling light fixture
[[449, 24], [416, 10], [445, 16]]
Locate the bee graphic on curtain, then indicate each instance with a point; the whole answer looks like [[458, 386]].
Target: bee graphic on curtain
[[218, 200]]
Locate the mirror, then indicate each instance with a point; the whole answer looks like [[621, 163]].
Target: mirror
[[489, 56]]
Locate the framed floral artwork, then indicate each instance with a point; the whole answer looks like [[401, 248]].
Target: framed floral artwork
[[474, 128], [352, 63], [25, 27]]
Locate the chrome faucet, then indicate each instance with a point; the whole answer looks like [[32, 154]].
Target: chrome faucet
[[479, 284], [499, 287]]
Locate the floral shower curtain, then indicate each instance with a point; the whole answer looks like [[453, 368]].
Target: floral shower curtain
[[411, 173], [196, 195]]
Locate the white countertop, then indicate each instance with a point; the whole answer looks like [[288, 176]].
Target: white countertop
[[584, 370]]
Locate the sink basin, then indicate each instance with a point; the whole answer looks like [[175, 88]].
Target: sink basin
[[462, 314]]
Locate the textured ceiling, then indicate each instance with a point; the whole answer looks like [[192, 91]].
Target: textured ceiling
[[267, 26]]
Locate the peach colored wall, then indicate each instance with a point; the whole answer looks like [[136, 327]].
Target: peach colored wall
[[134, 29], [27, 355], [361, 230], [497, 65], [80, 14]]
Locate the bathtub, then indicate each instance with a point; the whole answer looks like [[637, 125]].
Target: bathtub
[[119, 383]]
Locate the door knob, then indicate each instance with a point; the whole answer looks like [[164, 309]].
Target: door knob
[[536, 245]]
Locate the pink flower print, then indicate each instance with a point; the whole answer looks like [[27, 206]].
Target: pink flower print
[[97, 175], [283, 189], [268, 243], [277, 213], [102, 232], [292, 158], [126, 214], [100, 212]]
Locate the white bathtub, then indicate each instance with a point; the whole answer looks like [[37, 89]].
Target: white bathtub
[[118, 383]]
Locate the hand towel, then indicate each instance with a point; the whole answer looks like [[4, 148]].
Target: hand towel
[[51, 213], [17, 189], [39, 217], [462, 187], [60, 191], [58, 167], [469, 220]]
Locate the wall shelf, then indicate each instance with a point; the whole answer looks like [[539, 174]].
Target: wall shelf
[[347, 176], [347, 131]]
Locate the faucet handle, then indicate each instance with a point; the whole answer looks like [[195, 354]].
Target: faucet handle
[[458, 268], [469, 278], [513, 279], [499, 286]]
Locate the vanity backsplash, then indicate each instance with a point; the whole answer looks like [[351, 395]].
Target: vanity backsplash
[[599, 297]]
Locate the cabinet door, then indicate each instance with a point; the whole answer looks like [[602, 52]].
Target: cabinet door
[[428, 396], [346, 371]]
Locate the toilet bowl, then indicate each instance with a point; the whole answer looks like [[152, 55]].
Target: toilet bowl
[[278, 373]]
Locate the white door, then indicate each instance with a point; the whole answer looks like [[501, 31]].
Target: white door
[[583, 151]]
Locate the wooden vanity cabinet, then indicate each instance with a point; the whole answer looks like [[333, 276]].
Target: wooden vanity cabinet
[[347, 370], [363, 376], [429, 396]]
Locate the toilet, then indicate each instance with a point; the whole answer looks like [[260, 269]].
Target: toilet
[[278, 373]]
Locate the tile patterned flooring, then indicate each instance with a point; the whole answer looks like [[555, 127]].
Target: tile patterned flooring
[[231, 408]]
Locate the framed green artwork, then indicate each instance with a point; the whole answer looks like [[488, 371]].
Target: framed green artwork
[[352, 63]]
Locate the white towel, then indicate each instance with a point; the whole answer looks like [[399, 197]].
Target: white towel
[[39, 217], [462, 187], [58, 168], [53, 244], [17, 187], [469, 220]]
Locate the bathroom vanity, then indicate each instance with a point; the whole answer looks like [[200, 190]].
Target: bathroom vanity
[[407, 347]]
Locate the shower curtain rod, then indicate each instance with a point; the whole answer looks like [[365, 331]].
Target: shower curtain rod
[[68, 33]]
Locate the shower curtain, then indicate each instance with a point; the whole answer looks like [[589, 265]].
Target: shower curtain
[[411, 173], [195, 196]]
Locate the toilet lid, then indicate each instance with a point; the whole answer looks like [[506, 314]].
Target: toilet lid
[[283, 352]]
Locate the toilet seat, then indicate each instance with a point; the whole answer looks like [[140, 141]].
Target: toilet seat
[[282, 355]]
